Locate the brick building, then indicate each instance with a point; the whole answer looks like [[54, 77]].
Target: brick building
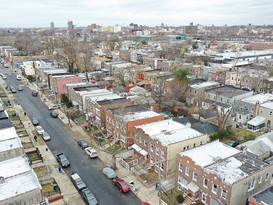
[[218, 174], [120, 122], [158, 143]]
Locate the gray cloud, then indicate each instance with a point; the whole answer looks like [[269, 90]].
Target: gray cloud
[[33, 13]]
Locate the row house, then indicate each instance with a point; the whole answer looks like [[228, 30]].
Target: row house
[[218, 75], [159, 143], [57, 82], [264, 197], [218, 174], [120, 122], [71, 88], [248, 78], [227, 94], [197, 90]]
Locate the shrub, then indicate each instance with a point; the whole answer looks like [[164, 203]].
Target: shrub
[[221, 134], [179, 198]]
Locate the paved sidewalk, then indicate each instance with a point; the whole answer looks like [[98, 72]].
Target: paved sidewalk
[[145, 194]]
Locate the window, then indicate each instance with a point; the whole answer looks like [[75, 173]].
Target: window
[[183, 182], [180, 167], [201, 142], [266, 177], [194, 176], [162, 154], [162, 166], [205, 182], [187, 171], [224, 194], [251, 185], [204, 197], [157, 151], [145, 143], [140, 139], [214, 188], [270, 112], [194, 145], [260, 179], [152, 148]]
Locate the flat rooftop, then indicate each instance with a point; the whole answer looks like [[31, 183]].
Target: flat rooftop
[[109, 96], [210, 153], [228, 91], [236, 167], [140, 115], [175, 136], [8, 133], [268, 105], [261, 98], [159, 127], [112, 101], [204, 85]]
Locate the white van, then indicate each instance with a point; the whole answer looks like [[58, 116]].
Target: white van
[[54, 106]]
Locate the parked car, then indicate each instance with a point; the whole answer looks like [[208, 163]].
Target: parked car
[[39, 130], [233, 143], [62, 159], [82, 143], [91, 152], [3, 77], [6, 65], [20, 88], [12, 89], [34, 93], [18, 77], [88, 197], [45, 136], [54, 106], [35, 121], [77, 181], [110, 173], [54, 114], [121, 185], [144, 203]]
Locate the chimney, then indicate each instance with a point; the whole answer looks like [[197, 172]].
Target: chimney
[[256, 109], [188, 124]]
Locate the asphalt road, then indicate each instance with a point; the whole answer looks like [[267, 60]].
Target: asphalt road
[[62, 141]]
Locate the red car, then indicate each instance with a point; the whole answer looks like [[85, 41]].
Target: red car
[[144, 203], [121, 185]]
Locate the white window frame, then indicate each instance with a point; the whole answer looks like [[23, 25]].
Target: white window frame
[[194, 176], [187, 171], [180, 167], [224, 194], [162, 154], [204, 196], [204, 185], [251, 185], [213, 189]]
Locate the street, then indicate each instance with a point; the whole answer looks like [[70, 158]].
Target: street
[[62, 140]]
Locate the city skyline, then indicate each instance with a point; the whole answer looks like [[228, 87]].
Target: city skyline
[[32, 13]]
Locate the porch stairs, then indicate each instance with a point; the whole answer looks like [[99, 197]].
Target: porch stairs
[[188, 200]]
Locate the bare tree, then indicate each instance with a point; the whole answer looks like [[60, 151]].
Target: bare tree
[[180, 84], [48, 44], [223, 114], [68, 53]]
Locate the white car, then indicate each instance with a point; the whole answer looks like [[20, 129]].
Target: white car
[[39, 130], [91, 152], [46, 136], [18, 77]]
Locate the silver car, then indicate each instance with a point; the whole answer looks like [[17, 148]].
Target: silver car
[[109, 172], [46, 136]]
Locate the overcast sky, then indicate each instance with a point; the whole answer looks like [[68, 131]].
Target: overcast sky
[[39, 13]]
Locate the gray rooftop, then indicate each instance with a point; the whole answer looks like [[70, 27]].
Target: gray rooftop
[[228, 91], [112, 101], [265, 196], [125, 110], [5, 123]]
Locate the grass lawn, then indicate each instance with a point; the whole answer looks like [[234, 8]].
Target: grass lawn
[[114, 149], [48, 190], [27, 145], [33, 156], [40, 171], [242, 135], [11, 112]]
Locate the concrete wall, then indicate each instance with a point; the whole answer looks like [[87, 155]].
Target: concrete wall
[[12, 153]]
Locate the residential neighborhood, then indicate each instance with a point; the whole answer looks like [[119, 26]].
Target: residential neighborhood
[[178, 114]]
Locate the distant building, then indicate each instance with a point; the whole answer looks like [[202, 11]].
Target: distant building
[[52, 26], [191, 29], [70, 26]]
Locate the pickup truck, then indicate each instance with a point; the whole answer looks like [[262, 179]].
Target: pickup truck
[[77, 181], [62, 159]]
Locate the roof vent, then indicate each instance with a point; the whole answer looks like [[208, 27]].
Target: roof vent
[[2, 180], [217, 158]]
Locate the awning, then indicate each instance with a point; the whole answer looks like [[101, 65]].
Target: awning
[[136, 147], [193, 187], [143, 152]]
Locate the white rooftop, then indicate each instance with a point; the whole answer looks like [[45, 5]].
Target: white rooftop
[[64, 76], [53, 71], [140, 115], [229, 170], [204, 85], [14, 166], [94, 92], [10, 144], [110, 96], [174, 136], [268, 105], [18, 185], [261, 98], [160, 126], [209, 153], [8, 133], [257, 121]]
